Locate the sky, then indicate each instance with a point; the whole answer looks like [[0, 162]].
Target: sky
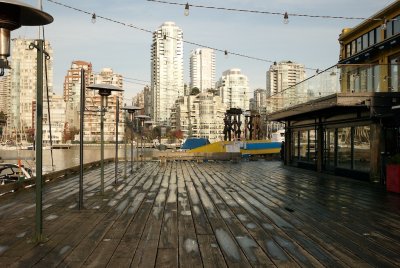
[[309, 41]]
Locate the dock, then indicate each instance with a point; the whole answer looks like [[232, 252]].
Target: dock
[[204, 214]]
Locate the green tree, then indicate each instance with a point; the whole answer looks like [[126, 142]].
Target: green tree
[[195, 91]]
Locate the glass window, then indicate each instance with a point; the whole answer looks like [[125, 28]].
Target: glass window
[[329, 152], [303, 145], [396, 25], [389, 29], [376, 76], [394, 73], [365, 41], [344, 148], [371, 40], [359, 44], [378, 34], [362, 148], [353, 47], [295, 143], [348, 50]]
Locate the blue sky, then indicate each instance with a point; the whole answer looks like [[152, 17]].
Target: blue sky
[[310, 41]]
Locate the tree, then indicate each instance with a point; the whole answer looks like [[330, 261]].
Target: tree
[[195, 91]]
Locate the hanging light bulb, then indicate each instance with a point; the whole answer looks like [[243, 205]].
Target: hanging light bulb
[[286, 18], [94, 18], [226, 53], [186, 9], [384, 25]]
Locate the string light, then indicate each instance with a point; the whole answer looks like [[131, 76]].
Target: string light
[[94, 18], [384, 25], [186, 9], [151, 32], [266, 12], [286, 18], [226, 53]]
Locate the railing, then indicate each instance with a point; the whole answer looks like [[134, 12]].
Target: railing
[[342, 78], [15, 186]]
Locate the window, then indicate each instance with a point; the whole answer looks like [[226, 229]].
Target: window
[[365, 41], [394, 73], [361, 155], [344, 148], [371, 36], [359, 44], [348, 50], [389, 29], [353, 47], [396, 25]]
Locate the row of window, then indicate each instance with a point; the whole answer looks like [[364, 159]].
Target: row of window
[[373, 37]]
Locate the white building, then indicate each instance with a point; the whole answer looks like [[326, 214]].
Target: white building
[[4, 93], [72, 91], [260, 100], [281, 77], [92, 119], [233, 87], [166, 71], [57, 118], [200, 116], [202, 69], [22, 107]]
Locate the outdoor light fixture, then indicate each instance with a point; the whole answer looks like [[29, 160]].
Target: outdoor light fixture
[[14, 14], [186, 9], [94, 18], [131, 110], [286, 18], [384, 25], [104, 91]]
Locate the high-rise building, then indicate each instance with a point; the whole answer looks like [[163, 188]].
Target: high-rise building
[[22, 105], [260, 100], [233, 87], [166, 71], [57, 119], [281, 77], [72, 91], [202, 69], [4, 93], [200, 115], [92, 128]]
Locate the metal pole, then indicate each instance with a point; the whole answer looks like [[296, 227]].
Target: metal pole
[[132, 116], [137, 144], [116, 141], [125, 147], [39, 141], [80, 204], [102, 145]]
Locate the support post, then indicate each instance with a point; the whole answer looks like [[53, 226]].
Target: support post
[[116, 141], [39, 141], [82, 115], [102, 145]]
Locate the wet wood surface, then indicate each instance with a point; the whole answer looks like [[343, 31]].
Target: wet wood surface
[[214, 214]]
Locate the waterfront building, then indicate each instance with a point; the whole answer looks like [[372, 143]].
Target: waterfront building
[[233, 88], [202, 69], [22, 104], [354, 131], [200, 116], [283, 76], [166, 71]]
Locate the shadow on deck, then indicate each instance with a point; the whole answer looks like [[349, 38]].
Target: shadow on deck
[[186, 214]]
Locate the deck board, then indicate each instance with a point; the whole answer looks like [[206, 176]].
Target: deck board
[[214, 214]]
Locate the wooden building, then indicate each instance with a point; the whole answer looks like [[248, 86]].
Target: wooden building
[[352, 132]]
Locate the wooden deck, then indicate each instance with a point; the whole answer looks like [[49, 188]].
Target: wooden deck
[[186, 214]]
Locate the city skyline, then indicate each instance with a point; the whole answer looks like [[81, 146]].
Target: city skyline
[[310, 41]]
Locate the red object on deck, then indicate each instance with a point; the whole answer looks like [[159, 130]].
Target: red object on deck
[[393, 178]]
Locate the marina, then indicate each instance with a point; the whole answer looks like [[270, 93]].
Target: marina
[[212, 214]]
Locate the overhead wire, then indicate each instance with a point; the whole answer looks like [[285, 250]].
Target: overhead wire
[[265, 12], [149, 31]]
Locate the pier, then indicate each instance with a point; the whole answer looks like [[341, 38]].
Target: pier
[[204, 214]]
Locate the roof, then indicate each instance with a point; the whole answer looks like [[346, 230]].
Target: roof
[[192, 143]]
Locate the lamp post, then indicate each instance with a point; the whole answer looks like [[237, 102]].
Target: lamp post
[[131, 110], [14, 14], [104, 90], [142, 118]]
